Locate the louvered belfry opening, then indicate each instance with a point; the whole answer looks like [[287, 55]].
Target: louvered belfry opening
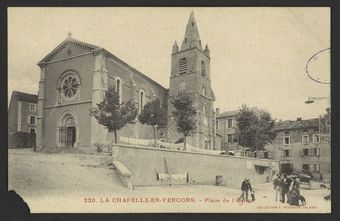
[[183, 66]]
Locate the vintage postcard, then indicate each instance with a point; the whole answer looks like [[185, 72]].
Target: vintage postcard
[[170, 110]]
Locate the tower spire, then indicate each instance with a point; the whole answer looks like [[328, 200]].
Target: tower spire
[[191, 37], [175, 47]]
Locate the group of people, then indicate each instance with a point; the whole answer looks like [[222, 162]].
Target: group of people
[[287, 188]]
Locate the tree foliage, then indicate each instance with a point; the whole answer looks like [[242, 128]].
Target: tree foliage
[[255, 127], [184, 115], [153, 114], [112, 114]]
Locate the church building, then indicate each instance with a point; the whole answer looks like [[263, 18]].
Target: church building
[[75, 76]]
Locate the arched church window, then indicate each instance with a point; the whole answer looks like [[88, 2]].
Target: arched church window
[[204, 90], [202, 68], [119, 88], [183, 66], [141, 100]]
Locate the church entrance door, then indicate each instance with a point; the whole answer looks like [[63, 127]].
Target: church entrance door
[[71, 136], [67, 130]]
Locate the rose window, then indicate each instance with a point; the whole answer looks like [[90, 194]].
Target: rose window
[[70, 86]]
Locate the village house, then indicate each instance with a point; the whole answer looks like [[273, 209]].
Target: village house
[[22, 114], [303, 146]]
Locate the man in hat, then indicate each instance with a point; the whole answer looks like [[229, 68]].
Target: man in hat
[[245, 188], [295, 184], [285, 184]]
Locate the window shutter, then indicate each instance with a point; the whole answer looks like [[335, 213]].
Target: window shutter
[[301, 153], [29, 119], [317, 152], [317, 168], [310, 167], [270, 155]]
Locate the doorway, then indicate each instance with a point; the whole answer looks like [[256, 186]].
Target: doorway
[[67, 130], [71, 136], [286, 168]]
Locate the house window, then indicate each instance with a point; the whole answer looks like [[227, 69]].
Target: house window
[[265, 155], [230, 123], [32, 107], [305, 167], [285, 153], [119, 89], [32, 130], [305, 139], [183, 66], [316, 138], [31, 119], [202, 68], [141, 100], [314, 152], [286, 139], [305, 152], [230, 138]]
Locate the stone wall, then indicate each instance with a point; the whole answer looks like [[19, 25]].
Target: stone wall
[[145, 162], [21, 140]]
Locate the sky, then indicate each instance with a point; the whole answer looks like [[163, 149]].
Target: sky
[[258, 55]]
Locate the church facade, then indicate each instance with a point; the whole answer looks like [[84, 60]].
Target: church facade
[[75, 76]]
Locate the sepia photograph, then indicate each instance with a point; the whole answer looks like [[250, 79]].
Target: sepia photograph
[[170, 109]]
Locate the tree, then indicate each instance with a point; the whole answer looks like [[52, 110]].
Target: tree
[[255, 127], [184, 115], [112, 114], [153, 114]]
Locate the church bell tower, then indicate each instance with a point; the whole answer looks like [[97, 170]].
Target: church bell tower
[[190, 72]]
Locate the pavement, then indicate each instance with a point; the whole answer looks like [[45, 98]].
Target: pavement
[[82, 183]]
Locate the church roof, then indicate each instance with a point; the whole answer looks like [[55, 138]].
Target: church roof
[[191, 37], [25, 97], [94, 48], [228, 114]]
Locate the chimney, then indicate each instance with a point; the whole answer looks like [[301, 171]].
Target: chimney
[[299, 119]]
